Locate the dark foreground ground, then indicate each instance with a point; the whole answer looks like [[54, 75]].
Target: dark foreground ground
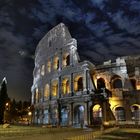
[[38, 133]]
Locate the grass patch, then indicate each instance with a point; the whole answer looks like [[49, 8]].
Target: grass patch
[[122, 134]]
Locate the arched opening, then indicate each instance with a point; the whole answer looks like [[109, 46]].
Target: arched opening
[[66, 59], [78, 84], [116, 82], [100, 83], [64, 116], [43, 70], [65, 86], [37, 95], [97, 114], [119, 114], [39, 119], [36, 116], [54, 115], [46, 117], [46, 92], [56, 63], [49, 66], [133, 83], [135, 109], [79, 115], [54, 88], [138, 84], [39, 114]]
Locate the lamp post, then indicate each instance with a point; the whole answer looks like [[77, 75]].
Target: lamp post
[[6, 113], [29, 117], [6, 104]]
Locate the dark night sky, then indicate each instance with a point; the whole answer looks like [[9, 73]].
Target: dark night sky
[[104, 29]]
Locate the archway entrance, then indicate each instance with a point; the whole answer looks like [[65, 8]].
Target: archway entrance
[[46, 117], [78, 83], [97, 114], [135, 109], [116, 82], [79, 115], [120, 114], [54, 116], [36, 116], [64, 116], [100, 83]]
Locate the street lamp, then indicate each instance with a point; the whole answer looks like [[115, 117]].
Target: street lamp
[[7, 106], [6, 112], [29, 113], [30, 117]]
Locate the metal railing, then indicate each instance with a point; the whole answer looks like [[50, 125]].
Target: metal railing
[[50, 133], [92, 135]]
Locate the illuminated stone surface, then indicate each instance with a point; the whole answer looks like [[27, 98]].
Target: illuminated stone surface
[[65, 90]]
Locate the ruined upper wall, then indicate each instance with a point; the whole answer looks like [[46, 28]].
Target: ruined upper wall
[[56, 39]]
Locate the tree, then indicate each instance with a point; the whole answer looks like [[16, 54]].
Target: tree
[[19, 105], [3, 99], [26, 104], [13, 111]]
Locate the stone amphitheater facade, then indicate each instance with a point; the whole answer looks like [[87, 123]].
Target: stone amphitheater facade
[[69, 92]]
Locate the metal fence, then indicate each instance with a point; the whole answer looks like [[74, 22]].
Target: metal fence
[[92, 135], [52, 133]]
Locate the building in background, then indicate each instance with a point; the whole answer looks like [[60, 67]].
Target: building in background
[[69, 92]]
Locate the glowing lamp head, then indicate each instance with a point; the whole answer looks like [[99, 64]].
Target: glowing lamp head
[[29, 113]]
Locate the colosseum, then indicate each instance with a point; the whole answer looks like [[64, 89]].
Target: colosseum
[[69, 92]]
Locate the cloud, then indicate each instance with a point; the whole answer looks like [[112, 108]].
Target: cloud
[[98, 3], [104, 29], [135, 6], [131, 26], [10, 45]]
